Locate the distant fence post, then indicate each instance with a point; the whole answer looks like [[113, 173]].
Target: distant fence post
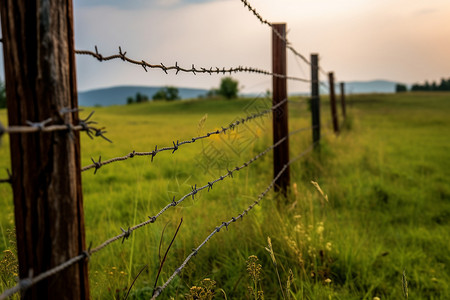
[[334, 115], [280, 115], [315, 99], [38, 48], [344, 113]]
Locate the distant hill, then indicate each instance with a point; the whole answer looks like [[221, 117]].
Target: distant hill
[[368, 87], [118, 95]]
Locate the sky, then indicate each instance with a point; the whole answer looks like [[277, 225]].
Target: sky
[[401, 40]]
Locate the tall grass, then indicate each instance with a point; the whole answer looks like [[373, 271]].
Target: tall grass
[[386, 178]]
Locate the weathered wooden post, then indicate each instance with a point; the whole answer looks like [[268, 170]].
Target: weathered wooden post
[[344, 113], [280, 115], [315, 100], [334, 115], [38, 48]]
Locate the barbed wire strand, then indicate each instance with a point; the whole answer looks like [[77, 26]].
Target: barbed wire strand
[[43, 126], [192, 194], [98, 164], [194, 252], [177, 68], [25, 283], [284, 39]]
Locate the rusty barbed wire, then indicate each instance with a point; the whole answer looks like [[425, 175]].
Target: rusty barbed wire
[[194, 252], [284, 39], [151, 219], [211, 70], [98, 164], [43, 126], [25, 283]]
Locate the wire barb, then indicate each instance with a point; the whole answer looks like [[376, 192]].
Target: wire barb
[[232, 220], [126, 234], [122, 55], [178, 144], [45, 126]]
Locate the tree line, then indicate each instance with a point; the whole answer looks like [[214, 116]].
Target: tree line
[[228, 89], [444, 85]]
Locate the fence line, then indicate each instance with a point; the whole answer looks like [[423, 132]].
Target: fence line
[[193, 69], [97, 165], [194, 252], [87, 126], [25, 283]]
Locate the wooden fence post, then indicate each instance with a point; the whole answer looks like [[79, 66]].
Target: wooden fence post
[[315, 99], [334, 115], [38, 48], [280, 115], [344, 113]]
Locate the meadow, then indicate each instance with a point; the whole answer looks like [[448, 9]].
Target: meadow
[[384, 211]]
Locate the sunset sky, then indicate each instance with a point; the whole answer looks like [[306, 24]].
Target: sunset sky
[[403, 40]]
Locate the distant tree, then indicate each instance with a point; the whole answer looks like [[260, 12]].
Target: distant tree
[[172, 93], [434, 86], [416, 87], [2, 94], [168, 93], [443, 86], [399, 88], [229, 88], [141, 98]]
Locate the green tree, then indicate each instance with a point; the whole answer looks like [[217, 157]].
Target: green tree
[[172, 93], [2, 94], [168, 93], [399, 88], [229, 88], [141, 98], [130, 100]]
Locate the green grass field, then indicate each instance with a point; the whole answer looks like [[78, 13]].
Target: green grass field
[[387, 178]]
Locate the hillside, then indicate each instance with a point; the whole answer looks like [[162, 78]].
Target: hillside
[[118, 95]]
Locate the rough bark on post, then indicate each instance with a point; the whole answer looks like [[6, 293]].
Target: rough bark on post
[[280, 115], [344, 112], [315, 99], [38, 48], [334, 115]]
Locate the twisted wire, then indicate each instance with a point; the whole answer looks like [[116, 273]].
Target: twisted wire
[[43, 126], [280, 36], [29, 281], [211, 70], [194, 252], [176, 145], [195, 190]]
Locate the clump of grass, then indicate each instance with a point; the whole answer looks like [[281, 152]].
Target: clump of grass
[[254, 271], [204, 291], [111, 281]]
